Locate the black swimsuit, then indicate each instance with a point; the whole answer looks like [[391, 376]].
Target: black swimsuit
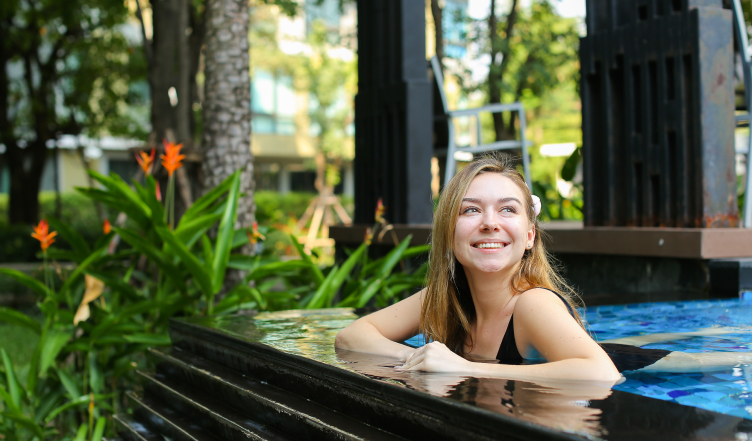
[[624, 357]]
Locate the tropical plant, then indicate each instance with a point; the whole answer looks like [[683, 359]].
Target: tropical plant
[[83, 359]]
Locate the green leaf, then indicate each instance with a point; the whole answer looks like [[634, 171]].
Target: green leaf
[[81, 268], [197, 270], [243, 262], [121, 198], [318, 276], [341, 275], [68, 383], [319, 297], [223, 246], [240, 295], [149, 339], [52, 344], [204, 202], [20, 319], [149, 196], [96, 379], [99, 429], [47, 402], [393, 257], [14, 386], [76, 241], [370, 291], [190, 232], [8, 399], [239, 238], [79, 401], [81, 434], [153, 253], [26, 422], [276, 268], [27, 281]]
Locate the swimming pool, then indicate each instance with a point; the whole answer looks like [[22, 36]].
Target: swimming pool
[[728, 391], [688, 405]]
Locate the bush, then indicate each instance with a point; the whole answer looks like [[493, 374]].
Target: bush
[[78, 211]]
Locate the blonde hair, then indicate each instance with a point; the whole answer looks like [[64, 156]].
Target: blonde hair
[[448, 308]]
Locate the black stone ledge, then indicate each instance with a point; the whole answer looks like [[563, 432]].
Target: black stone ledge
[[401, 411], [416, 415]]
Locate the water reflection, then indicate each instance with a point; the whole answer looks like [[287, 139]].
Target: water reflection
[[560, 405], [589, 409]]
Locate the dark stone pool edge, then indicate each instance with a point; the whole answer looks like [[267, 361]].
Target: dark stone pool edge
[[415, 415], [401, 411]]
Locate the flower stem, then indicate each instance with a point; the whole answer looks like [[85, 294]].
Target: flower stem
[[171, 201]]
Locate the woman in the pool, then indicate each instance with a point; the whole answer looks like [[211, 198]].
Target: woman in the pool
[[493, 294]]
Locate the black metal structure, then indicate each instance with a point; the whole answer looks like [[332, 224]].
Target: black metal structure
[[393, 120], [658, 114]]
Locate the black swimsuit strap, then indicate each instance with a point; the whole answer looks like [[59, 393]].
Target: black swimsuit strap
[[508, 352]]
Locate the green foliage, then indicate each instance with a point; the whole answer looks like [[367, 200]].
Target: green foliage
[[80, 361], [273, 208], [78, 212]]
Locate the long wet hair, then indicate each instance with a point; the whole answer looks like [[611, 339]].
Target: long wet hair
[[448, 307]]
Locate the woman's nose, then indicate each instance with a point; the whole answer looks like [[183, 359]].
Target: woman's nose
[[490, 222]]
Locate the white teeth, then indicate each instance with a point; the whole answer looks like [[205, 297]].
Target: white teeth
[[490, 245]]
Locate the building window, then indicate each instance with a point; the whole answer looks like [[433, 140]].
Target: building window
[[273, 104]]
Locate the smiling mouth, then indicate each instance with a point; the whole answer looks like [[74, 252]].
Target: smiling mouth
[[490, 245]]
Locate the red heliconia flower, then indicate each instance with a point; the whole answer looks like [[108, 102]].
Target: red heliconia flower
[[253, 234], [146, 161], [43, 235], [380, 209], [172, 157], [107, 227]]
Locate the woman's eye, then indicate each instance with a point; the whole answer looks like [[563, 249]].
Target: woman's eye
[[508, 210], [470, 210]]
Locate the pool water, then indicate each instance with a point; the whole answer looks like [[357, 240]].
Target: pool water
[[710, 405], [726, 391]]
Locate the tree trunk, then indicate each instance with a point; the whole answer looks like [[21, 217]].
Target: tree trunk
[[25, 167], [226, 106], [496, 71], [173, 55], [438, 28]]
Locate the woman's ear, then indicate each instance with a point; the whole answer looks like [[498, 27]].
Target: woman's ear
[[531, 236]]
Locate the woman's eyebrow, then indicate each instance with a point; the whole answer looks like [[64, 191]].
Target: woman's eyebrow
[[501, 200], [509, 199]]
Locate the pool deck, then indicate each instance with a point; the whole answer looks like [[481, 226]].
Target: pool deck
[[573, 237]]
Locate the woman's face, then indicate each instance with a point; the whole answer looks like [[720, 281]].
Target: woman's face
[[492, 230]]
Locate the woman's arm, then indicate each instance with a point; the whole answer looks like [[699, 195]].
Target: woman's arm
[[380, 332], [541, 321]]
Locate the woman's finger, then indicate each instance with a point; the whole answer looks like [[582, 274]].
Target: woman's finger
[[415, 359]]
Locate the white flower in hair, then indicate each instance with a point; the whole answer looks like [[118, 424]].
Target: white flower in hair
[[536, 205]]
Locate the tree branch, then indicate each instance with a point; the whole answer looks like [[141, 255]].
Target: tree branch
[[147, 44]]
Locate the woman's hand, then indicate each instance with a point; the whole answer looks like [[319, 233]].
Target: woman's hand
[[435, 357]]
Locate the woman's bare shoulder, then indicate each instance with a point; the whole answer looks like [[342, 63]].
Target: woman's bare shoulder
[[537, 298]]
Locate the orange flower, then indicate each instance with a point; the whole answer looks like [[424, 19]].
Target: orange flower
[[172, 157], [107, 227], [368, 236], [253, 234], [159, 193], [380, 209], [146, 161], [43, 235]]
